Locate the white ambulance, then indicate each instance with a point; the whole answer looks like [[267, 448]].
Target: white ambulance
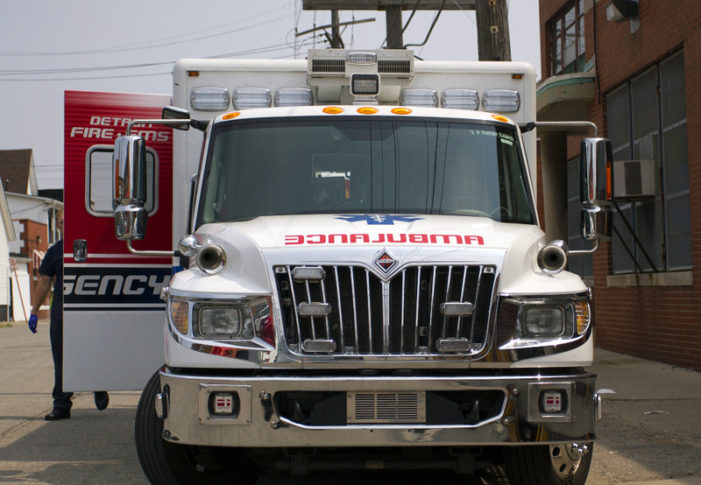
[[350, 268]]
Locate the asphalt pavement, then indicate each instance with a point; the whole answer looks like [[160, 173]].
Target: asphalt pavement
[[650, 433]]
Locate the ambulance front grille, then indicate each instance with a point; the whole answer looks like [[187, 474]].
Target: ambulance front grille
[[420, 310], [386, 407]]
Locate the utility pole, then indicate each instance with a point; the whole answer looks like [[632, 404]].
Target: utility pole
[[493, 30], [393, 11], [393, 16], [336, 41]]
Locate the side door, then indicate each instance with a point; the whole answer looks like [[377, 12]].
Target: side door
[[113, 316]]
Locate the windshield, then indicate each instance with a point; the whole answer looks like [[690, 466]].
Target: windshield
[[351, 165]]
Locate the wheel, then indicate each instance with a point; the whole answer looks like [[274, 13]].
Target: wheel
[[168, 463], [561, 464]]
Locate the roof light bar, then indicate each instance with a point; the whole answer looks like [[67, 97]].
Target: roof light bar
[[419, 97], [501, 100], [293, 97], [460, 98], [360, 57], [209, 98], [251, 97]]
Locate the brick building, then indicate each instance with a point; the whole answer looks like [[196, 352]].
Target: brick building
[[634, 69]]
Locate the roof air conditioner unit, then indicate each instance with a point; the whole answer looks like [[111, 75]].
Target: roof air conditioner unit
[[634, 179]]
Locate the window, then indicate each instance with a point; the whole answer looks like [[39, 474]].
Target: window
[[98, 193], [567, 39], [353, 164], [647, 120]]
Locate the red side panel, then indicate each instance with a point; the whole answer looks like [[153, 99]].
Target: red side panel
[[113, 316]]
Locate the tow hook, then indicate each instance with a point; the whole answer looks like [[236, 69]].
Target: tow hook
[[161, 404]]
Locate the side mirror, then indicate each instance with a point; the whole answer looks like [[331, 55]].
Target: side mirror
[[129, 174], [595, 165], [129, 171], [595, 223], [130, 222], [173, 113]]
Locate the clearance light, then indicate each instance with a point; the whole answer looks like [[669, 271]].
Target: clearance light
[[401, 111], [332, 110], [501, 100], [501, 118], [460, 99], [582, 316], [179, 315], [209, 99], [231, 116], [293, 97], [251, 97], [360, 57], [419, 97], [367, 110]]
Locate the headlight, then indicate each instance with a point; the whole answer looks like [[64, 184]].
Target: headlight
[[244, 319], [542, 321], [219, 323]]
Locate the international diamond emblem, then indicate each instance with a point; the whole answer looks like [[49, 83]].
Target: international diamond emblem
[[385, 261]]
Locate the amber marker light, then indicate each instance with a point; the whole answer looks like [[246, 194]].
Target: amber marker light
[[367, 110], [332, 110], [230, 116], [501, 118], [193, 73], [401, 111]]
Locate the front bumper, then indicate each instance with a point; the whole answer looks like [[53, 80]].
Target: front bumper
[[274, 411]]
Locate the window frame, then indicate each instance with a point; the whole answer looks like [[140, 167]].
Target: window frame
[[557, 38], [88, 181]]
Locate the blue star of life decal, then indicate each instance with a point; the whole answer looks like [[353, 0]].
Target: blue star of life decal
[[379, 219]]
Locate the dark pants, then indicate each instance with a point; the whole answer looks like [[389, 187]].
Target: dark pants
[[62, 400]]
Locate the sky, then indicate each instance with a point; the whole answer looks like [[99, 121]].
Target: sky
[[50, 46]]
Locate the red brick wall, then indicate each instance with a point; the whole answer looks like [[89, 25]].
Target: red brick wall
[[660, 323], [35, 236]]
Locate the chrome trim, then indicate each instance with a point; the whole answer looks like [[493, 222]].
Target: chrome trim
[[245, 403], [314, 273], [526, 346], [269, 429]]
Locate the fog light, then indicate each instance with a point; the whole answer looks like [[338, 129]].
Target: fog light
[[224, 403], [552, 402]]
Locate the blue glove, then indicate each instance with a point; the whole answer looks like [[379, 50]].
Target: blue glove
[[32, 323]]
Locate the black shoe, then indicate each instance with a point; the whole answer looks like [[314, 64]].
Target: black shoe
[[57, 414], [102, 399]]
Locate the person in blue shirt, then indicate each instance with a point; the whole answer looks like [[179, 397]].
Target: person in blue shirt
[[51, 269]]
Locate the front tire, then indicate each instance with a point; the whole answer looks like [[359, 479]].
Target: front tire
[[168, 463], [561, 464]]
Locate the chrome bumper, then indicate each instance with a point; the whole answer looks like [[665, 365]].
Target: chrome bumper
[[517, 415]]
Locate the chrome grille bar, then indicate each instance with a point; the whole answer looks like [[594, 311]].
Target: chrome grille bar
[[356, 344], [341, 347]]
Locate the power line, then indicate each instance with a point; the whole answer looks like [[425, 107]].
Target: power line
[[144, 45], [40, 72]]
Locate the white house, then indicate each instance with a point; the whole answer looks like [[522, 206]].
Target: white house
[[33, 223], [7, 236]]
